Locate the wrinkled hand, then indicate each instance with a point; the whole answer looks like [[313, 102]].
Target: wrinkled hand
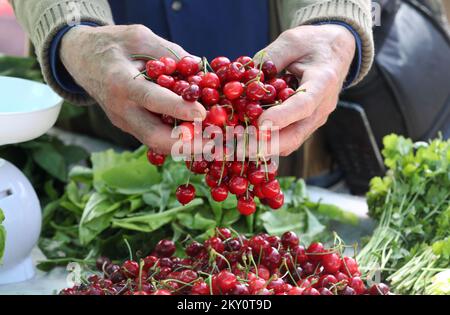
[[321, 57], [99, 60]]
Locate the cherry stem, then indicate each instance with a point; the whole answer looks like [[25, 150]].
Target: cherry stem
[[222, 170], [173, 53], [265, 167], [190, 172], [270, 105], [141, 266], [245, 147], [143, 57], [130, 252], [139, 74]]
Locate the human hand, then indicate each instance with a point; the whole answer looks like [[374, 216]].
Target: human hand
[[320, 56], [99, 60]]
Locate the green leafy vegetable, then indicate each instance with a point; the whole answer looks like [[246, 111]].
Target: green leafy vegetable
[[412, 206], [123, 196]]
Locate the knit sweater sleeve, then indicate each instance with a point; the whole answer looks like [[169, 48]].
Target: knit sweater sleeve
[[43, 19], [355, 13]]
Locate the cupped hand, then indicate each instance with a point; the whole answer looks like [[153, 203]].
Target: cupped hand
[[99, 59], [320, 56]]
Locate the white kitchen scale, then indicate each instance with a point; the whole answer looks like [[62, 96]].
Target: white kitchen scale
[[27, 111]]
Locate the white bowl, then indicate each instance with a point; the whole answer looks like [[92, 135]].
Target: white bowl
[[27, 110], [22, 210]]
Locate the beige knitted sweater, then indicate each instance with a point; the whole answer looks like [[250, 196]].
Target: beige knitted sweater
[[42, 19]]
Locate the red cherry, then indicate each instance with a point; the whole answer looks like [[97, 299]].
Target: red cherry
[[188, 66], [232, 120], [253, 111], [246, 61], [278, 84], [217, 115], [252, 74], [258, 192], [170, 63], [210, 96], [238, 185], [155, 68], [166, 81], [240, 104], [235, 71], [187, 131], [195, 79], [180, 86], [199, 167], [255, 91], [223, 233], [276, 202], [155, 158], [349, 266], [238, 168], [358, 285], [289, 240], [296, 291], [233, 90], [192, 93], [326, 281], [315, 251], [331, 263], [246, 206], [219, 193], [256, 176], [218, 170], [211, 181], [325, 291], [271, 189], [130, 269], [379, 289], [165, 248], [226, 281], [185, 194], [291, 80], [270, 96], [200, 288], [222, 73], [216, 244], [283, 95], [310, 291], [219, 62], [269, 69], [210, 80], [299, 254]]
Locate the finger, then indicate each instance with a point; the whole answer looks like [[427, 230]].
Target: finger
[[144, 41], [299, 106], [163, 101], [285, 50], [292, 137], [149, 130]]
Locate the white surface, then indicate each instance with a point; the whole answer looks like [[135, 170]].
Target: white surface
[[43, 283], [27, 110], [22, 210]]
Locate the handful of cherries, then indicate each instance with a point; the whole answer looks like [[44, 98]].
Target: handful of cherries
[[234, 94], [231, 264]]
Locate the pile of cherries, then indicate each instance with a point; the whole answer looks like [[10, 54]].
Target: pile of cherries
[[233, 93], [231, 264]]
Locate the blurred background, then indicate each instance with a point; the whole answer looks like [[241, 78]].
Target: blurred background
[[12, 38]]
